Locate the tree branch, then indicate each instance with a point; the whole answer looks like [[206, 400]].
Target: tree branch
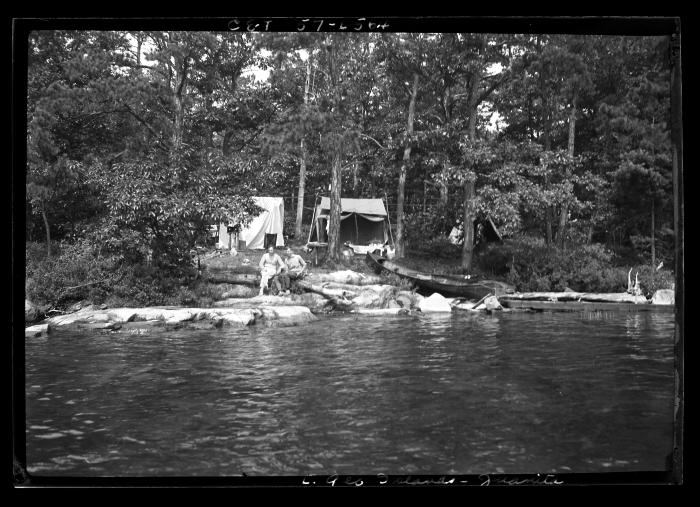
[[372, 139], [145, 124], [496, 83]]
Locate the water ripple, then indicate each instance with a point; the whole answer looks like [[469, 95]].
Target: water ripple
[[454, 393]]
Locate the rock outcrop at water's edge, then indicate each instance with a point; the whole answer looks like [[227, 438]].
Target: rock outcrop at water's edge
[[116, 318], [664, 297], [37, 331]]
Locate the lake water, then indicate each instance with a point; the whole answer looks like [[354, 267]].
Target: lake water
[[459, 393]]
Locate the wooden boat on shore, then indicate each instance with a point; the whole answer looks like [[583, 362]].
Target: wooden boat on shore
[[450, 285]]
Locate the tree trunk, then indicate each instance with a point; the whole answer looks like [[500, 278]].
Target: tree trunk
[[181, 68], [547, 138], [178, 124], [336, 176], [564, 215], [302, 164], [653, 233], [469, 184], [400, 240], [355, 181], [589, 238], [468, 246], [548, 236], [444, 195], [48, 231]]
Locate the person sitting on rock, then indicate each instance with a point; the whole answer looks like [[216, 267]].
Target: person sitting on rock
[[295, 268], [296, 265], [270, 266]]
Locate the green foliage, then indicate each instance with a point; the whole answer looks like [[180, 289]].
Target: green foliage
[[531, 265], [132, 154], [74, 274], [438, 221], [652, 279]]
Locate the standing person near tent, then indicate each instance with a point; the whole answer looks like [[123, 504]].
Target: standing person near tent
[[295, 266], [270, 266]]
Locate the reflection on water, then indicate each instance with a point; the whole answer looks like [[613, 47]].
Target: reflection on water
[[435, 394]]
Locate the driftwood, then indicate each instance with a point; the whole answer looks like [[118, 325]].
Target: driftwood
[[234, 278], [621, 297], [326, 291], [381, 311], [480, 301], [336, 296], [344, 286]]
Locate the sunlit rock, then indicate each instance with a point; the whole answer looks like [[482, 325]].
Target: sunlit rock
[[491, 303], [286, 315], [36, 331], [664, 297], [239, 317], [434, 303]]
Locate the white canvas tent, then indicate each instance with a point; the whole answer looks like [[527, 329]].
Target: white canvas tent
[[269, 222], [364, 223]]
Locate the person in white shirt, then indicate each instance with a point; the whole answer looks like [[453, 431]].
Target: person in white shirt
[[270, 266]]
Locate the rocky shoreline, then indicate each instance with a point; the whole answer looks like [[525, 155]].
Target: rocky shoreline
[[341, 292], [338, 292]]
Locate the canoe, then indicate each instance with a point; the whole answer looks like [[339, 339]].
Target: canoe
[[452, 285]]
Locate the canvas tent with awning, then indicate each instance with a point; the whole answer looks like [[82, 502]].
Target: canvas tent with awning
[[362, 222], [265, 228]]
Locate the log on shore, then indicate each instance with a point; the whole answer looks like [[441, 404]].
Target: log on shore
[[335, 296], [381, 311], [325, 291], [348, 276], [621, 297], [234, 278]]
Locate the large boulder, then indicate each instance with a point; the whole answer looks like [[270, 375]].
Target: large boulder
[[375, 296], [434, 303], [315, 302], [664, 297], [31, 312], [286, 315]]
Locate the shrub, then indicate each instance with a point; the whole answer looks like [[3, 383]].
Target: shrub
[[420, 226], [531, 265], [74, 273], [651, 280]]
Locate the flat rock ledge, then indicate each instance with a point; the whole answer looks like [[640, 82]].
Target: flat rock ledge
[[138, 318]]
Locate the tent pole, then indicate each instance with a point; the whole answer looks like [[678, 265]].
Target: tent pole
[[357, 231], [313, 220]]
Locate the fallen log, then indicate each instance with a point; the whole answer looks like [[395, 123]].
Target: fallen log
[[621, 297], [344, 286], [349, 277], [381, 311], [234, 278], [336, 296], [324, 291]]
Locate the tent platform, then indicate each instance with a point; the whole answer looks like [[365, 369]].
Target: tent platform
[[585, 306]]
